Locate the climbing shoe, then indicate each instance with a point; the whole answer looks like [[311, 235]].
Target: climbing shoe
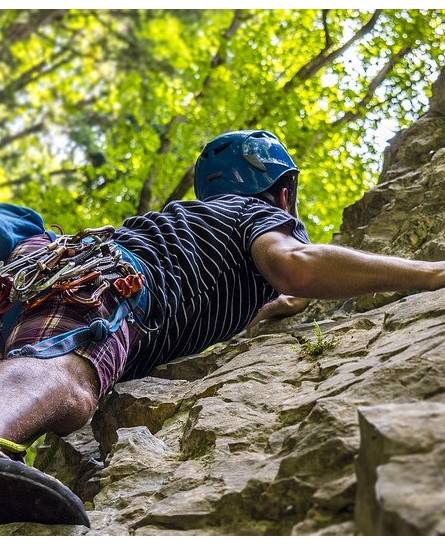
[[29, 495]]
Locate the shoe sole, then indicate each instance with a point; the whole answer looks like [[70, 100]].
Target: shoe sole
[[29, 495]]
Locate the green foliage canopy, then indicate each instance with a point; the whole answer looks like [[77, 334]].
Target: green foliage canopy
[[103, 112]]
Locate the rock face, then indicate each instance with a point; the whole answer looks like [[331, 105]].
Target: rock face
[[404, 213], [256, 437], [400, 469]]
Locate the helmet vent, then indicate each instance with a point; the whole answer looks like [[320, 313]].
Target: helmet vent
[[255, 162], [215, 175], [221, 148]]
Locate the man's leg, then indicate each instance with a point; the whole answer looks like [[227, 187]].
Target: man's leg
[[36, 396], [58, 394]]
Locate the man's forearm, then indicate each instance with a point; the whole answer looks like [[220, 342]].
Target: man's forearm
[[333, 272]]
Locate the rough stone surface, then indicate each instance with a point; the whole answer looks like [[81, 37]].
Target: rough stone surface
[[401, 469], [253, 437], [74, 460]]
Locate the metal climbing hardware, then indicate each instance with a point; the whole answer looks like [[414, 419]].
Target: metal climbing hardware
[[80, 269], [93, 300], [128, 286], [63, 267]]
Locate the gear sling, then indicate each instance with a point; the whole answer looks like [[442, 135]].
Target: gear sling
[[64, 266]]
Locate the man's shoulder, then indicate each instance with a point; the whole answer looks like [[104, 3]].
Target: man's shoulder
[[241, 200], [227, 212], [224, 202]]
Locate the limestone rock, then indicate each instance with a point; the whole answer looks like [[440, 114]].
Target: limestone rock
[[147, 402], [74, 460], [401, 469], [437, 102], [33, 529]]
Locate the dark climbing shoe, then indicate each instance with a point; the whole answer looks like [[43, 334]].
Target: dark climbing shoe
[[29, 495]]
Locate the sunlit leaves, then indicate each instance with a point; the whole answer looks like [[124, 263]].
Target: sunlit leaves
[[126, 96]]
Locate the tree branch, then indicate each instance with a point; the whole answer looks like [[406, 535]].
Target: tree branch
[[22, 134], [184, 185], [220, 56], [63, 171], [41, 17], [363, 103], [21, 81], [218, 59], [27, 177], [323, 58], [327, 37], [32, 74], [16, 181], [376, 81], [163, 148]]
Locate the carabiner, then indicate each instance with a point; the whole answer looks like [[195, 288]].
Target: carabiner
[[99, 231], [54, 278], [20, 282], [93, 300]]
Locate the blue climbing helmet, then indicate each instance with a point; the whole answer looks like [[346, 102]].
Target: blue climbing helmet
[[241, 162]]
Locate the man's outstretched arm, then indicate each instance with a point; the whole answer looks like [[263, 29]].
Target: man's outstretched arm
[[325, 271]]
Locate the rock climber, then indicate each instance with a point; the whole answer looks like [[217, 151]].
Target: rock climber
[[190, 276]]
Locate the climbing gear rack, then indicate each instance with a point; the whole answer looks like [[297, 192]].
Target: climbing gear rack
[[80, 269]]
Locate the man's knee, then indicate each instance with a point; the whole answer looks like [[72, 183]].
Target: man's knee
[[70, 380], [80, 381]]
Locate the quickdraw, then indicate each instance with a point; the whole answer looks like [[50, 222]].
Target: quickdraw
[[66, 267]]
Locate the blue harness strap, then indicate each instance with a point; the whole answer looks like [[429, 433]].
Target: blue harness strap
[[98, 330]]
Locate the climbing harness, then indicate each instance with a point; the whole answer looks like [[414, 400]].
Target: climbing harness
[[89, 260]]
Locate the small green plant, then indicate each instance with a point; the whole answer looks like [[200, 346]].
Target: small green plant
[[321, 343]]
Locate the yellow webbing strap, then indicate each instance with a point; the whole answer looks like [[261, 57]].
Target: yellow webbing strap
[[17, 448]]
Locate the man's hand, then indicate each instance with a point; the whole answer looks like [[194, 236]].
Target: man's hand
[[281, 307], [326, 271]]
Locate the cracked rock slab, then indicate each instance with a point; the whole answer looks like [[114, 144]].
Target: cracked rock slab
[[401, 470]]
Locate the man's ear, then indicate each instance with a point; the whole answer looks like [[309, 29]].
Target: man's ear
[[283, 199]]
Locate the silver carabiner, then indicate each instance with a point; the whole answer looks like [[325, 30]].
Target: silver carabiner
[[14, 264], [98, 231], [20, 282], [54, 278]]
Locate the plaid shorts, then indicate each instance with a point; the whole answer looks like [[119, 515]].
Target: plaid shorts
[[55, 316]]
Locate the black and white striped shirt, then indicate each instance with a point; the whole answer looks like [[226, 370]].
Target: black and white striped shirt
[[203, 283]]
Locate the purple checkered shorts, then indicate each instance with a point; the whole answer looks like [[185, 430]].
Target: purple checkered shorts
[[55, 316]]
